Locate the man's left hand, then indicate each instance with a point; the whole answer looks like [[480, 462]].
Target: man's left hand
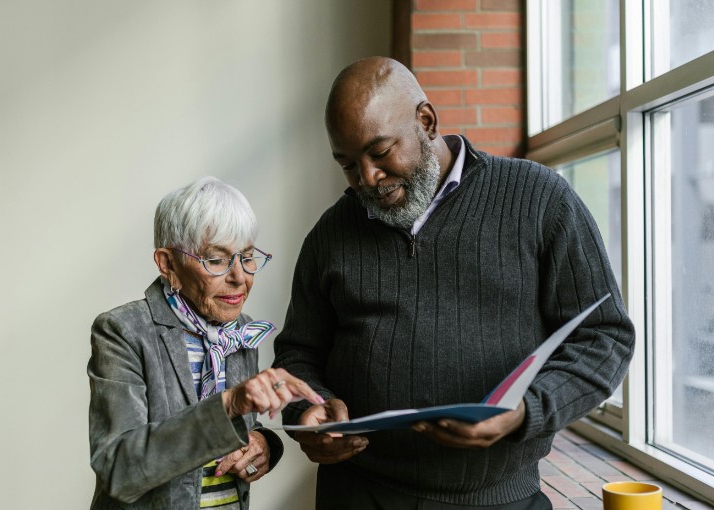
[[459, 434]]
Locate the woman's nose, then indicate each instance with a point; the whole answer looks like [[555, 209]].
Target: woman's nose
[[237, 273]]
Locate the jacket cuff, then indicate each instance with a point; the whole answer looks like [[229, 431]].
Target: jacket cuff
[[274, 443]]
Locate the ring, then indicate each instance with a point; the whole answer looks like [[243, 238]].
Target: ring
[[278, 384], [250, 469]]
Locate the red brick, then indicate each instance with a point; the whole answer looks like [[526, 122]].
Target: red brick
[[501, 96], [629, 469], [445, 97], [436, 59], [511, 150], [502, 115], [566, 486], [452, 130], [510, 39], [445, 5], [431, 21], [493, 20], [495, 134], [501, 5], [451, 116], [494, 58], [441, 78], [491, 77], [444, 41]]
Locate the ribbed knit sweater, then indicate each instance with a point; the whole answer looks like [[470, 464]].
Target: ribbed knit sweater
[[385, 321]]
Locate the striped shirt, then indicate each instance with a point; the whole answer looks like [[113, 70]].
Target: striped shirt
[[216, 492]]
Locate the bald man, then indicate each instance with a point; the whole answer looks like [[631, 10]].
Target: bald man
[[436, 274]]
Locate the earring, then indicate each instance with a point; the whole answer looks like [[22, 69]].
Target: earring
[[174, 290]]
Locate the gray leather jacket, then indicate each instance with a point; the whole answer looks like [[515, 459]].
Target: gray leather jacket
[[149, 435]]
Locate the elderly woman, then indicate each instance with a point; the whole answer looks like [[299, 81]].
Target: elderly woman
[[174, 382]]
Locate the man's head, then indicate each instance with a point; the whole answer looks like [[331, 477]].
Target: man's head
[[383, 132]]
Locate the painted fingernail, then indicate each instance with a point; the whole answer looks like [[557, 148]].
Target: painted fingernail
[[218, 473]]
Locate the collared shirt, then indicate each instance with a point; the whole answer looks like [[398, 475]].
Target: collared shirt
[[451, 182]]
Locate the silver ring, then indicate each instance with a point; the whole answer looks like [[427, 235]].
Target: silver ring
[[278, 384], [251, 469]]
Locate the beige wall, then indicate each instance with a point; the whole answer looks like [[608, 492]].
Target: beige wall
[[105, 106]]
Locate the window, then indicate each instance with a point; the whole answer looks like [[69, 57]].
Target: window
[[683, 247], [622, 105], [580, 58]]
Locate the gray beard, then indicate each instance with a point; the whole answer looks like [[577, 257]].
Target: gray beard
[[419, 192]]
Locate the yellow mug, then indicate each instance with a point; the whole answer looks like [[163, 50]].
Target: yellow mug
[[631, 496]]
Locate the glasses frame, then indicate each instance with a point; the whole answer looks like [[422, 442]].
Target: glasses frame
[[232, 259]]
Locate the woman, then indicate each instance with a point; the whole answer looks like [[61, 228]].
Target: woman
[[174, 388]]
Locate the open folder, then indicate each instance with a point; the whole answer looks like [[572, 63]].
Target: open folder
[[505, 397]]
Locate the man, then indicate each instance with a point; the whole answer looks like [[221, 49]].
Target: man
[[435, 275]]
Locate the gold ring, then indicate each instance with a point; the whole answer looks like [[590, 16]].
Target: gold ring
[[278, 384]]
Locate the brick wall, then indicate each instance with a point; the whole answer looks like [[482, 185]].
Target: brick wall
[[469, 57]]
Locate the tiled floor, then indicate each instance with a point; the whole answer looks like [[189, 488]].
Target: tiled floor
[[573, 474]]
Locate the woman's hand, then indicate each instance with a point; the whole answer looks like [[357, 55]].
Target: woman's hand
[[268, 391], [328, 448], [256, 454]]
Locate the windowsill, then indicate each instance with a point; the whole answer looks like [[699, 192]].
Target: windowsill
[[684, 480]]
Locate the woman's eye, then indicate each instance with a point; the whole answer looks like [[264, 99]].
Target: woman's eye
[[348, 166], [214, 262]]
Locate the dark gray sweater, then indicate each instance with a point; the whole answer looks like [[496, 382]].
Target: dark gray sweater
[[503, 261]]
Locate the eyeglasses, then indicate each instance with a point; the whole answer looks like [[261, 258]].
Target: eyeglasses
[[251, 264]]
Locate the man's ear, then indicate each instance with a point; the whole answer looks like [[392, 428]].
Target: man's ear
[[166, 263], [428, 119]]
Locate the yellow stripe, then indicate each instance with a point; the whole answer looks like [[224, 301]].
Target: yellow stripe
[[210, 481], [218, 502]]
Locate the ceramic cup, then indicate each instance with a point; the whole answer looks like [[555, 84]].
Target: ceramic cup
[[631, 496]]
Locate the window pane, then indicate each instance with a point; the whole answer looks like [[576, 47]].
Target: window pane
[[686, 401], [689, 25], [583, 62]]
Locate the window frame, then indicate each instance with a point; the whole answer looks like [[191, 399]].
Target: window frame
[[625, 121]]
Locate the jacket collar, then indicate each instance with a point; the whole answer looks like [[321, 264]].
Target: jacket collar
[[160, 311], [172, 337]]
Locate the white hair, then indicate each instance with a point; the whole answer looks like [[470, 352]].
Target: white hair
[[206, 212]]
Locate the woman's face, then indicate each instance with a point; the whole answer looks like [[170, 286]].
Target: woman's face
[[216, 298]]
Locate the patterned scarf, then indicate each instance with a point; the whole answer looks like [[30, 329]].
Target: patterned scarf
[[219, 340]]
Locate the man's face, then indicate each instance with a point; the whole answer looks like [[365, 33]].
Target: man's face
[[388, 160]]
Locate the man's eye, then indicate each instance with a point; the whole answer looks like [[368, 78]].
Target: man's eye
[[348, 166], [381, 154]]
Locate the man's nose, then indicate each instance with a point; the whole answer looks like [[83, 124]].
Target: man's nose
[[370, 175]]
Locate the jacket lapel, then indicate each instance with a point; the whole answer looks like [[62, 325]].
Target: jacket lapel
[[172, 337]]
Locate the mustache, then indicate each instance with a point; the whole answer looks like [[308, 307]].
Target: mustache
[[378, 191]]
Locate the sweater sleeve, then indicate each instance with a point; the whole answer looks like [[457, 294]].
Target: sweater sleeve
[[304, 344], [592, 362]]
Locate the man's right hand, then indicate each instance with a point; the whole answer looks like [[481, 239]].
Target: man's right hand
[[328, 448]]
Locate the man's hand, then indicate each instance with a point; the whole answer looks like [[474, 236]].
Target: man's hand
[[328, 448], [459, 434]]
